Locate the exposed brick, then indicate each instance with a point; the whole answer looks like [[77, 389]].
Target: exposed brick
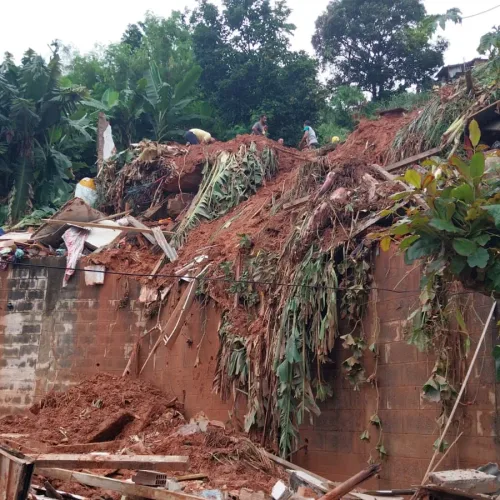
[[421, 422], [400, 398], [392, 331], [399, 352], [27, 328], [36, 294]]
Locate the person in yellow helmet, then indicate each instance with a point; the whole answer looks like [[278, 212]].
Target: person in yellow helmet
[[198, 136], [335, 139]]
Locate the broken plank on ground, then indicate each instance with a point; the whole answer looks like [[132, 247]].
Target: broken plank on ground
[[107, 483], [160, 463], [84, 447], [297, 203], [413, 159]]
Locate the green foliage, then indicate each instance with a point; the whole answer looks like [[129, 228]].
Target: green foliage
[[459, 233], [380, 45], [229, 181], [248, 68], [301, 333], [41, 141], [490, 43], [496, 357]]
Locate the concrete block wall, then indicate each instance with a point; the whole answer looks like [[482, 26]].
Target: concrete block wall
[[52, 336], [409, 421]]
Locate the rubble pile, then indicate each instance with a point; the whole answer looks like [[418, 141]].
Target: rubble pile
[[75, 420]]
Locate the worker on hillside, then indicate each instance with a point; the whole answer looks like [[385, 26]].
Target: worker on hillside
[[198, 136], [309, 139], [335, 139], [260, 128]]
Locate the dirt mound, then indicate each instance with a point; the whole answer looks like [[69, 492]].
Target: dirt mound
[[77, 413], [372, 139], [230, 460]]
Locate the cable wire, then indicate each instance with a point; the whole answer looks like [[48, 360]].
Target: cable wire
[[203, 278], [480, 13]]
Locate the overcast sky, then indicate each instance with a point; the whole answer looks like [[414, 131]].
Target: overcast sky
[[35, 23]]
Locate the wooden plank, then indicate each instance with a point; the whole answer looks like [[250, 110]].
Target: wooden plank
[[161, 463], [107, 483], [290, 465], [157, 267], [84, 447], [148, 233], [386, 175], [147, 230], [114, 216], [413, 159], [164, 245], [297, 203]]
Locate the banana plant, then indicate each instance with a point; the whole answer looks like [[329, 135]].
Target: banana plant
[[167, 106]]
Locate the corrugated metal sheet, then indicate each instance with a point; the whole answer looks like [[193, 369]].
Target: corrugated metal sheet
[[15, 475]]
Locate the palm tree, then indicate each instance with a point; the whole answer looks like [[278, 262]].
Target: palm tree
[[38, 137]]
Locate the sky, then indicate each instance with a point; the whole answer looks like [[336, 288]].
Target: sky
[[34, 23]]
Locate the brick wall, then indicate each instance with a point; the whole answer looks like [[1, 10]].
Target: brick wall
[[52, 336], [408, 421]]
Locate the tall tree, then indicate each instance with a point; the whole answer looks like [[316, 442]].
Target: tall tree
[[380, 45], [40, 141], [248, 67]]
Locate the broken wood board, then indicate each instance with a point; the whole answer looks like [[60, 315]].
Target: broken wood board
[[365, 496], [84, 447], [112, 427], [164, 245], [75, 210], [148, 233], [107, 483], [160, 463], [158, 266], [102, 235], [290, 465], [296, 203], [85, 225], [413, 159]]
